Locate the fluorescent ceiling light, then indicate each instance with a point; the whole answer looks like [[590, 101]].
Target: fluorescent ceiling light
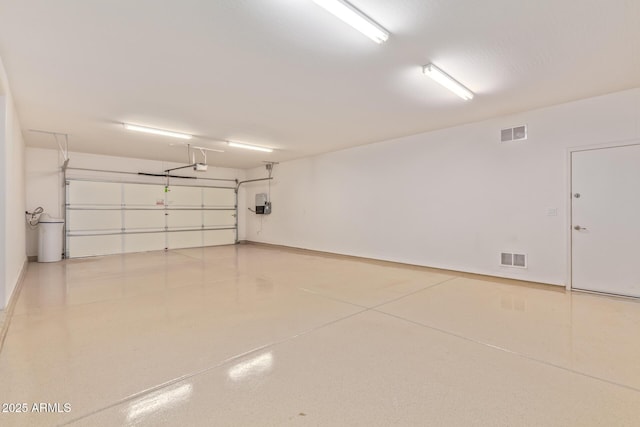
[[249, 147], [358, 20], [157, 131], [447, 81]]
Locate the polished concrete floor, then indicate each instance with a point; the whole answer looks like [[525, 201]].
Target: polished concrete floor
[[253, 335]]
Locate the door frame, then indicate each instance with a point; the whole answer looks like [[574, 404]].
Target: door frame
[[569, 195]]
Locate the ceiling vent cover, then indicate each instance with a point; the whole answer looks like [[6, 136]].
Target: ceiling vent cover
[[518, 133], [508, 259]]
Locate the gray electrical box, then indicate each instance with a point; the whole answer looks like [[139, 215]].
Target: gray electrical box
[[263, 205]]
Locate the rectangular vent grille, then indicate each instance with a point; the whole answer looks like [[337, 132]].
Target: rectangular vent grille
[[508, 259], [517, 133]]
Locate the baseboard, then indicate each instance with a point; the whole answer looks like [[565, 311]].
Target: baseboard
[[32, 258], [459, 273], [8, 311]]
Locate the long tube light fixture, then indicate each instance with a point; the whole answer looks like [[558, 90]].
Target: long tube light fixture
[[249, 147], [358, 20], [447, 81], [157, 131]]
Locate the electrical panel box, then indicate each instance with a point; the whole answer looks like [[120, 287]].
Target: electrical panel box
[[263, 205]]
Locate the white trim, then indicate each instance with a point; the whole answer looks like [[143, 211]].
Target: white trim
[[610, 144], [569, 219], [569, 193], [11, 303]]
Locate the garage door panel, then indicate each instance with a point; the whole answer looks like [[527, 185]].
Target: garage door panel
[[144, 220], [219, 237], [219, 218], [184, 239], [83, 246], [184, 197], [218, 197], [144, 242], [83, 193], [184, 219], [143, 195], [86, 220]]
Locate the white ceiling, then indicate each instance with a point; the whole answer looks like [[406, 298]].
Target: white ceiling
[[287, 74]]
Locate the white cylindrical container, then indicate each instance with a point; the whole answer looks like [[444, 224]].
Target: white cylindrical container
[[50, 239]]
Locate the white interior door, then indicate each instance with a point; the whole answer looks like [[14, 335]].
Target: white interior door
[[605, 186]]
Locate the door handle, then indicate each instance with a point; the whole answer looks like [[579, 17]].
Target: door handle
[[578, 228]]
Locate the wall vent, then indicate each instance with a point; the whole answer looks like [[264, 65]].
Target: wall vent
[[518, 133], [508, 259]]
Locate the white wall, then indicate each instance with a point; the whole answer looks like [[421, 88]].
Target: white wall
[[3, 204], [12, 188], [45, 188], [453, 198]]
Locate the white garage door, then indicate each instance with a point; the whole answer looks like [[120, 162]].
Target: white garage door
[[115, 217]]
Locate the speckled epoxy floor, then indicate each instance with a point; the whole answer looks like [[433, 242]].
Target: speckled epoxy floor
[[254, 335]]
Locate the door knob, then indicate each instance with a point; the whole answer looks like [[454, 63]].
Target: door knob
[[577, 227]]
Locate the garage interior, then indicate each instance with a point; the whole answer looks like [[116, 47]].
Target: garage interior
[[319, 212]]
